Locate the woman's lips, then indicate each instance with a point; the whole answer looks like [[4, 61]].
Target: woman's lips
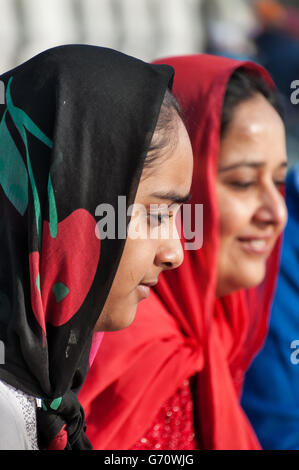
[[258, 246]]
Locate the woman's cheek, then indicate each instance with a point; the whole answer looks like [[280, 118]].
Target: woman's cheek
[[234, 215]]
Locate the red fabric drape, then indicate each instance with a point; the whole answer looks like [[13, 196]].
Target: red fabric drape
[[182, 329]]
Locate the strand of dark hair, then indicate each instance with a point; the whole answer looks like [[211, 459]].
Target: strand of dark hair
[[242, 86]]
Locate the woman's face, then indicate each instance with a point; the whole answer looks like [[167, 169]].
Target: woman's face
[[153, 244], [251, 171]]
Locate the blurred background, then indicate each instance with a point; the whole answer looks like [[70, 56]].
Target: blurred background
[[266, 31]]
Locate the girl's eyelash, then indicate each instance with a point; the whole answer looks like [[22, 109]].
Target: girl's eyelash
[[160, 217]]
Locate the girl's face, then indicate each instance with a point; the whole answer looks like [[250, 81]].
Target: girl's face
[[153, 244], [251, 172]]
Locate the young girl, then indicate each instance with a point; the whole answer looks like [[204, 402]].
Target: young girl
[[80, 127], [175, 377]]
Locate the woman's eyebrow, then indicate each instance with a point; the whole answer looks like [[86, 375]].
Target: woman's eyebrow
[[172, 196], [248, 164]]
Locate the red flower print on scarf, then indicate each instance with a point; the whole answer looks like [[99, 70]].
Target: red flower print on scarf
[[61, 279]]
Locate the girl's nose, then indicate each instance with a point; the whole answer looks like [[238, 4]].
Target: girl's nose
[[170, 254]]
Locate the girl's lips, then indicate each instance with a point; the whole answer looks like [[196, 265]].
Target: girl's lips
[[143, 290], [259, 246]]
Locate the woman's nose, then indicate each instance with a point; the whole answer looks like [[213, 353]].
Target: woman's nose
[[273, 208]]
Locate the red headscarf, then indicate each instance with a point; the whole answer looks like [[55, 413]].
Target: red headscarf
[[182, 329]]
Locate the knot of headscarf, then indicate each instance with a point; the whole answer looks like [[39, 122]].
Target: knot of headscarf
[[61, 424]]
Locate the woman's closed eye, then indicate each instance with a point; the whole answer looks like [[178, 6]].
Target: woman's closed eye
[[243, 185]]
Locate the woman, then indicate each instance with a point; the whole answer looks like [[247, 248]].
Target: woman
[[178, 379], [80, 127]]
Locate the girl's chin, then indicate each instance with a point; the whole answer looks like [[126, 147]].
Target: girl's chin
[[115, 320]]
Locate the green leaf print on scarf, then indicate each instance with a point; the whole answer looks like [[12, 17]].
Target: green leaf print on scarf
[[23, 122], [60, 290], [13, 173]]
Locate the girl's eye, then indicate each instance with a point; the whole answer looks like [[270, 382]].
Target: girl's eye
[[158, 219]]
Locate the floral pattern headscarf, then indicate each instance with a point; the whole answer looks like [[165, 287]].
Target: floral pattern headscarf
[[75, 127]]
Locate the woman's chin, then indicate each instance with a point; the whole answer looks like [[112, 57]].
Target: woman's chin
[[254, 276], [241, 279]]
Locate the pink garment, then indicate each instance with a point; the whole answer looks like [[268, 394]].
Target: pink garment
[[96, 341]]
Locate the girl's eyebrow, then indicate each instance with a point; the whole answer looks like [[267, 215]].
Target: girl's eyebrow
[[172, 196], [248, 164]]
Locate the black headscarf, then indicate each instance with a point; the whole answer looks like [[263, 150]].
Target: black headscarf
[[74, 131]]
